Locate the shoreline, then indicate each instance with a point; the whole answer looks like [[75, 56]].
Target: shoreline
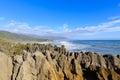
[[39, 59], [35, 61]]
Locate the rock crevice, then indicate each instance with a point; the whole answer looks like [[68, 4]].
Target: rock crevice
[[59, 65]]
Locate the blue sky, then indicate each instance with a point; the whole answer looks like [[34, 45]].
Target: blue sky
[[73, 19]]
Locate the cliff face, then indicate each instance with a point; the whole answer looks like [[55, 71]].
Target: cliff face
[[59, 65]]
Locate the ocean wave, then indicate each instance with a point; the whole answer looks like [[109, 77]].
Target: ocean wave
[[102, 46], [73, 47], [70, 46]]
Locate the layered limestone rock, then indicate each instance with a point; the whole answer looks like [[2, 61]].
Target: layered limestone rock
[[33, 67], [41, 66], [59, 65], [88, 59], [5, 67]]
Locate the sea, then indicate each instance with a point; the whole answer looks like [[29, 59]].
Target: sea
[[101, 46]]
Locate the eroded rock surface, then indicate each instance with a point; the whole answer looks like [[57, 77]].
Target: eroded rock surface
[[5, 67], [59, 65]]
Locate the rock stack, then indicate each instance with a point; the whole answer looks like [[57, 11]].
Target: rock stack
[[58, 64]]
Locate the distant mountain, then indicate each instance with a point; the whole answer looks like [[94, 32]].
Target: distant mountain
[[20, 37], [54, 37], [48, 37]]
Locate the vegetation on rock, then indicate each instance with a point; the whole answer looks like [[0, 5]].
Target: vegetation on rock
[[20, 37], [48, 62]]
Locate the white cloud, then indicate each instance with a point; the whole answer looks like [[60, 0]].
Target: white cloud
[[85, 32], [15, 30], [111, 26], [65, 27], [49, 31], [24, 26], [104, 27], [114, 17], [11, 24], [65, 31], [21, 27], [38, 28]]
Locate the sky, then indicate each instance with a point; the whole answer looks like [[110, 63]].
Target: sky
[[71, 19]]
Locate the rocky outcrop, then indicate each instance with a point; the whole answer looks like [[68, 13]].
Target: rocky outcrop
[[5, 67], [57, 64], [42, 66]]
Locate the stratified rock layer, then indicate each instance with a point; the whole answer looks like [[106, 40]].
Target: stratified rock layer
[[5, 67], [59, 65]]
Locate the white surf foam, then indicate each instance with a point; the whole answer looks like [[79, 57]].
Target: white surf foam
[[68, 45], [72, 47]]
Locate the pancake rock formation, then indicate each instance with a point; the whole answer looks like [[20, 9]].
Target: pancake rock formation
[[58, 64]]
